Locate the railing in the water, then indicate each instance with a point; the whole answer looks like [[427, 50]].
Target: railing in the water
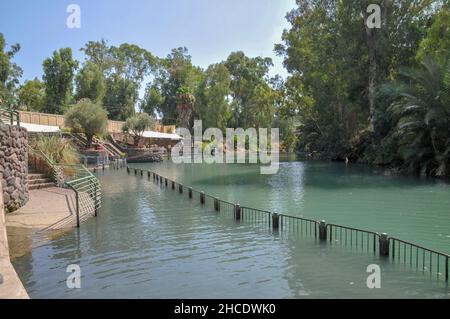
[[419, 257], [363, 240]]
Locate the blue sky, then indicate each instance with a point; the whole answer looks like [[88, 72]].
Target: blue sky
[[210, 29]]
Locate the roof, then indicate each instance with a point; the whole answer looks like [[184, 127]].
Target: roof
[[153, 134], [37, 128]]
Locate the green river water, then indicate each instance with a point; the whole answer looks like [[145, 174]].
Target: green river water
[[149, 242]]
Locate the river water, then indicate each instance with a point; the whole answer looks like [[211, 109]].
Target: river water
[[149, 242]]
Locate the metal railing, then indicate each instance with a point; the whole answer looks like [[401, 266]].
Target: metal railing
[[353, 237], [419, 257], [86, 186], [362, 240], [9, 115]]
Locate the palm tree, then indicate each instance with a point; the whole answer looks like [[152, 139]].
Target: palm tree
[[185, 106], [421, 111]]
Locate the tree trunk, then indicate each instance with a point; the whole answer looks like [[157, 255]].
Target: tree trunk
[[89, 141], [373, 65], [136, 139]]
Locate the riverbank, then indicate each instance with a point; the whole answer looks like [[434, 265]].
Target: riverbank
[[10, 285], [48, 211]]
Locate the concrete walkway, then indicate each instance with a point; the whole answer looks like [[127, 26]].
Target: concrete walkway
[[49, 208]]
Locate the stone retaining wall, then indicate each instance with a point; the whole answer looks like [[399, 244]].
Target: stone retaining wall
[[14, 166]]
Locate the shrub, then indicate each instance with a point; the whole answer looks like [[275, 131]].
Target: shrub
[[88, 118]]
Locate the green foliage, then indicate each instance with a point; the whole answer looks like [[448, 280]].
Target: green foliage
[[421, 111], [58, 150], [9, 72], [336, 64], [87, 117], [31, 96], [120, 97], [212, 104], [58, 78], [90, 83], [174, 72], [137, 124], [437, 42], [124, 69], [185, 106]]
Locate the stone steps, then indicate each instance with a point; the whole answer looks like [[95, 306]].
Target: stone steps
[[40, 186], [39, 181]]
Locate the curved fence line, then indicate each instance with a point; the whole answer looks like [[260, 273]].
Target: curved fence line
[[418, 257]]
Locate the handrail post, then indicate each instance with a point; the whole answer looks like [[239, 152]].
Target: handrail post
[[446, 268], [384, 245], [237, 212], [77, 208], [216, 204], [202, 198], [173, 185], [95, 199], [322, 230], [275, 221], [189, 190], [180, 188]]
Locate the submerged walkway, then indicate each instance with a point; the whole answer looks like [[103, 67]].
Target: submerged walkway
[[10, 285], [49, 208]]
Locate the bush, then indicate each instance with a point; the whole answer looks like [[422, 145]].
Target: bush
[[58, 150], [137, 124], [88, 118]]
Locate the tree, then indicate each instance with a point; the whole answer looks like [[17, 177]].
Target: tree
[[421, 111], [58, 79], [137, 124], [120, 97], [185, 106], [90, 83], [247, 74], [87, 117], [9, 71], [31, 96], [152, 99], [124, 68], [336, 63], [174, 72], [437, 42], [212, 105]]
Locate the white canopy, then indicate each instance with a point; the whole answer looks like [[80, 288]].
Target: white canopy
[[153, 134], [37, 128]]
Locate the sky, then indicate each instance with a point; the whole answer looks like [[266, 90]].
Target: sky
[[210, 29]]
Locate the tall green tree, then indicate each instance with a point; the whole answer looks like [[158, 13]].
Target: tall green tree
[[120, 97], [58, 79], [212, 105], [247, 75], [90, 83], [174, 72], [437, 42], [336, 63], [31, 96], [9, 72], [185, 106]]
